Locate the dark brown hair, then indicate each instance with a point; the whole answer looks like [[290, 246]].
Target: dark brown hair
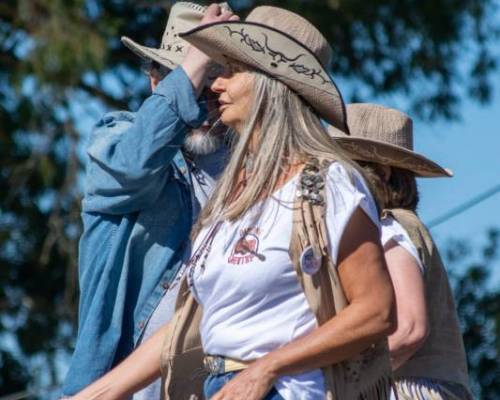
[[400, 191]]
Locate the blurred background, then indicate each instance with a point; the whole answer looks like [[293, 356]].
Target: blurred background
[[62, 65]]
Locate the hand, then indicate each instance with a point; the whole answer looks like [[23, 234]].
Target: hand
[[252, 383], [216, 13], [196, 63]]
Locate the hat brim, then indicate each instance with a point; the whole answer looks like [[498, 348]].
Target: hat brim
[[277, 54], [148, 53], [363, 149]]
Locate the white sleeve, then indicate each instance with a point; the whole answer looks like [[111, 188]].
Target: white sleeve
[[345, 192], [392, 230]]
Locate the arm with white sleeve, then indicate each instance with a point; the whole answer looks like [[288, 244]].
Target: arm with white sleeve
[[406, 271]]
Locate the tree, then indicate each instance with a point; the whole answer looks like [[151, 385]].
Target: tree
[[413, 48], [478, 304], [61, 63]]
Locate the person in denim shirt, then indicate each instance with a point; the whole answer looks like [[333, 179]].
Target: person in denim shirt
[[142, 193]]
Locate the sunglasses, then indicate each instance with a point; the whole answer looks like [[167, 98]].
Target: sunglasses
[[153, 68]]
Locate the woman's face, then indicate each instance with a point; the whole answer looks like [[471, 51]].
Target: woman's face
[[234, 87]]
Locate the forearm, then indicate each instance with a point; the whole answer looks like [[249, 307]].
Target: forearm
[[195, 66], [196, 63], [129, 157], [135, 372], [409, 289], [149, 139], [405, 342], [344, 336]]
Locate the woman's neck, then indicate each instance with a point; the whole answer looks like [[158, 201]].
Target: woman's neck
[[289, 171]]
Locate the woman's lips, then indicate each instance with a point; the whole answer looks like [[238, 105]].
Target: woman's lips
[[222, 104]]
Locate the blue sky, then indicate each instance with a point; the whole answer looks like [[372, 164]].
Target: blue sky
[[471, 149]]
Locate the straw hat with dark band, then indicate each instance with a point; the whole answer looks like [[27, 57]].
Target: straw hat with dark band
[[283, 45], [385, 136], [183, 16]]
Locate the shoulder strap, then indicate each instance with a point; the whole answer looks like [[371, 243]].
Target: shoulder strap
[[181, 361], [309, 244]]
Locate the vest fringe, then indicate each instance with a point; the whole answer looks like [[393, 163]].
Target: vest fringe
[[428, 389], [379, 390]]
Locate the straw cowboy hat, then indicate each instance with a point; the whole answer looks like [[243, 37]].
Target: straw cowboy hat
[[285, 46], [183, 16], [384, 136]]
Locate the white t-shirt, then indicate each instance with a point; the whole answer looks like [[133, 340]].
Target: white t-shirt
[[251, 298], [392, 230]]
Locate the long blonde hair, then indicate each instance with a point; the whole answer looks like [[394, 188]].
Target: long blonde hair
[[290, 132]]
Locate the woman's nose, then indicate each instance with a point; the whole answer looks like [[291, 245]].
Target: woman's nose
[[218, 85]]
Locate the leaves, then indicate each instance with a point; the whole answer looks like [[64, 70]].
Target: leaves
[[478, 306], [13, 377], [397, 47]]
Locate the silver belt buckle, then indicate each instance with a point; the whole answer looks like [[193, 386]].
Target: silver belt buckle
[[214, 365]]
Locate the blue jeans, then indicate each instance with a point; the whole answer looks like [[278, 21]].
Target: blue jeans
[[214, 383]]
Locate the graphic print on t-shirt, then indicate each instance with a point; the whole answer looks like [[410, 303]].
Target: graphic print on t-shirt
[[246, 247]]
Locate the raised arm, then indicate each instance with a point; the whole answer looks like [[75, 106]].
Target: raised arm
[[129, 155], [137, 371]]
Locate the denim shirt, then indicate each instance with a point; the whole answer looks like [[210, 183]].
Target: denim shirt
[[137, 217]]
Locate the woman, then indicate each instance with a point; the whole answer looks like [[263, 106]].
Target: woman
[[290, 293], [427, 351]]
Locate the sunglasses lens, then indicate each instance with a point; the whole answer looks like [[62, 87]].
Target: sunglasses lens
[[162, 71]]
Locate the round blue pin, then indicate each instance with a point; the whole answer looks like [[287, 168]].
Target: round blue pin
[[308, 262]]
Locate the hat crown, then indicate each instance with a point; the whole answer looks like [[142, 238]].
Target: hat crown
[[295, 26], [376, 122], [182, 17]]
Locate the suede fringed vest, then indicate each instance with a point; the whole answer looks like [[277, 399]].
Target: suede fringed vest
[[365, 377], [442, 355]]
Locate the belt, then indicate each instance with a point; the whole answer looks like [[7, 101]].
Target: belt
[[217, 365]]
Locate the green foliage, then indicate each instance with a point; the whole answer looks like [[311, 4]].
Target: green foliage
[[411, 47], [54, 54], [12, 375], [478, 305], [66, 43], [60, 60]]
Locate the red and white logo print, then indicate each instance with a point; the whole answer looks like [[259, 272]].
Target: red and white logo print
[[246, 247]]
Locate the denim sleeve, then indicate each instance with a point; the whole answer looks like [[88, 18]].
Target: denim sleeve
[[130, 154]]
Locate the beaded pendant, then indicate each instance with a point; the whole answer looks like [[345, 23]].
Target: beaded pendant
[[311, 183]]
